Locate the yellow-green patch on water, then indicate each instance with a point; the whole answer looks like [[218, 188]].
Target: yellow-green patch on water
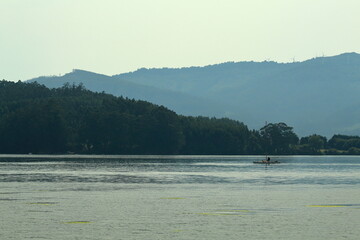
[[327, 206], [173, 198], [77, 222]]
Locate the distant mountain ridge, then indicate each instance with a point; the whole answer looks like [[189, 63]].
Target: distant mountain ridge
[[319, 95], [119, 87]]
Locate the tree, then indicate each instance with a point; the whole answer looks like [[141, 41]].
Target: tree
[[278, 138], [317, 142]]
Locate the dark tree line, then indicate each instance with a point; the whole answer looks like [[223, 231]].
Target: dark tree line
[[71, 119]]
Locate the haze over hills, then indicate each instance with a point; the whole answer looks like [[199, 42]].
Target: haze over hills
[[319, 95], [172, 99]]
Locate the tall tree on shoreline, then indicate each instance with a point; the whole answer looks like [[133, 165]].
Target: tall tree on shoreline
[[278, 138]]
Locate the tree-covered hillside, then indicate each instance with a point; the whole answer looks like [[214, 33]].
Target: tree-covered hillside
[[182, 103], [318, 95], [71, 119], [35, 119], [325, 88]]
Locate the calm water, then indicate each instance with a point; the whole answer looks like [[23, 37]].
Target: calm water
[[179, 198]]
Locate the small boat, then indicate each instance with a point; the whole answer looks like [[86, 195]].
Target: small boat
[[266, 162]]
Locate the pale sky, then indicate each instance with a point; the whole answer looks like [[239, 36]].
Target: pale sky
[[52, 37]]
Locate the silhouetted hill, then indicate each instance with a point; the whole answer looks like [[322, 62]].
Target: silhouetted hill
[[71, 119], [308, 95], [169, 98], [319, 95], [39, 120]]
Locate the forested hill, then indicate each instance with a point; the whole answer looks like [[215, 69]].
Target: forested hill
[[35, 119], [182, 103], [318, 95], [71, 119]]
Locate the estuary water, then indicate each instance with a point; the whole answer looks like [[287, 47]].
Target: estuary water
[[179, 197]]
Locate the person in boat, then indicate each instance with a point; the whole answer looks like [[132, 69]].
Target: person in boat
[[267, 160]]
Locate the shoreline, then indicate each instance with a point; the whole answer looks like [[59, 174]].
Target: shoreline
[[105, 156]]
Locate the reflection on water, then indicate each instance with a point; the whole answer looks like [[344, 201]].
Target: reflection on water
[[179, 197]]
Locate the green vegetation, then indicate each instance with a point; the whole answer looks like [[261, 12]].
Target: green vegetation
[[71, 119]]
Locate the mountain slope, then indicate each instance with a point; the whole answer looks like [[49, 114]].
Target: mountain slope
[[319, 95], [39, 120], [308, 95], [118, 87]]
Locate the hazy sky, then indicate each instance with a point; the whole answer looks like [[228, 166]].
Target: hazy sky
[[51, 37]]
